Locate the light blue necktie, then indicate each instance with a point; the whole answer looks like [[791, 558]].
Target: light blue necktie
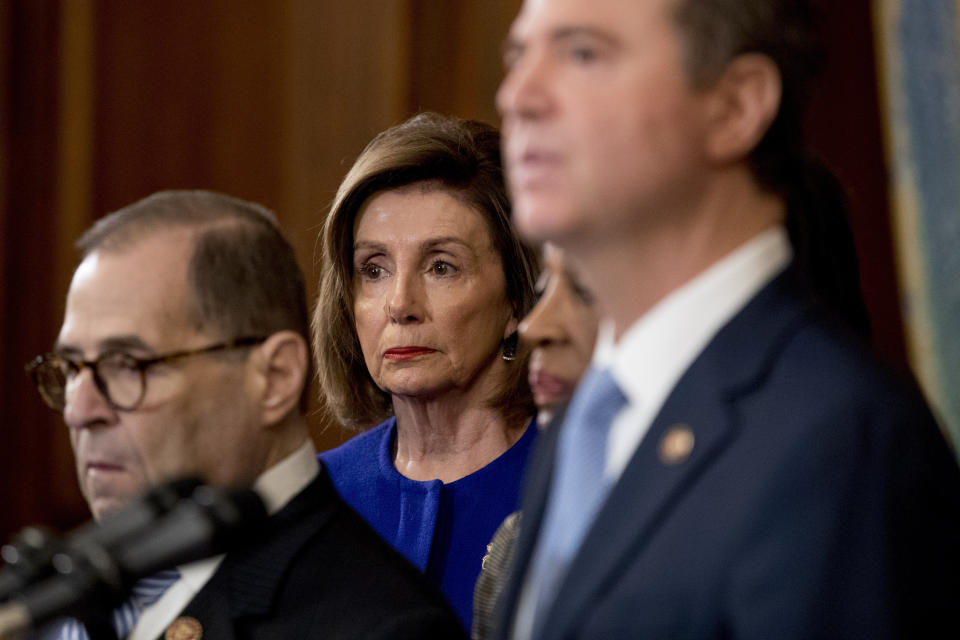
[[124, 618], [578, 485]]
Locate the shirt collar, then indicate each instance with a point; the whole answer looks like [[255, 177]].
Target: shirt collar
[[655, 351], [281, 482]]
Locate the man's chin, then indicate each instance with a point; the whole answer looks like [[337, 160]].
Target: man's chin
[[539, 224], [102, 506]]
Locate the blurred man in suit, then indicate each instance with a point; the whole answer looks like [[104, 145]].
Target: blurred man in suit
[[734, 464], [183, 351]]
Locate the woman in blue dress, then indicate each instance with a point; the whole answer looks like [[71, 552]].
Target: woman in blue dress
[[423, 283]]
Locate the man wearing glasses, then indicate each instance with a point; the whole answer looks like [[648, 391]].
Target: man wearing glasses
[[183, 351]]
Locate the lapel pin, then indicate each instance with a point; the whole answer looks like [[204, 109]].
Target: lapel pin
[[676, 444], [184, 628]]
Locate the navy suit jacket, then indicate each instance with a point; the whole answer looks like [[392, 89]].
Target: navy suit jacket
[[320, 572], [819, 500]]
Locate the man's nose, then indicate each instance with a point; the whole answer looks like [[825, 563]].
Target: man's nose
[[523, 92], [84, 403]]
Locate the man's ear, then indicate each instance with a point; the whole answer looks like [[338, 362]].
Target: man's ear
[[746, 100], [281, 364]]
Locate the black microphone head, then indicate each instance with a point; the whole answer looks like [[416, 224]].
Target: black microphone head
[[27, 558], [90, 577], [117, 526], [212, 521], [86, 584]]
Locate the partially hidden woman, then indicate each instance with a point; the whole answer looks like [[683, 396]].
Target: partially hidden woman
[[561, 331], [423, 284]]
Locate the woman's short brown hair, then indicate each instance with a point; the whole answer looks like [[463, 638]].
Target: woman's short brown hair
[[459, 156]]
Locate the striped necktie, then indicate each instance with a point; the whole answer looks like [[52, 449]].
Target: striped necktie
[[124, 618]]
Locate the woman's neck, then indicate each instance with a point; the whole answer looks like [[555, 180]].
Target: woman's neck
[[439, 439]]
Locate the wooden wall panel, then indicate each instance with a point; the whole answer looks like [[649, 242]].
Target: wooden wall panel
[[75, 136], [482, 29], [457, 62], [35, 470], [7, 479], [331, 108], [5, 98], [845, 129], [187, 96]]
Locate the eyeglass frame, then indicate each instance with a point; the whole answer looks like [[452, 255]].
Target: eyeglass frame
[[142, 364]]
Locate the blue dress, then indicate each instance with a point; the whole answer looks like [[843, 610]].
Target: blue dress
[[441, 528]]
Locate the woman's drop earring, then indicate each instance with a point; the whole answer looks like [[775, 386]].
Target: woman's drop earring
[[509, 352]]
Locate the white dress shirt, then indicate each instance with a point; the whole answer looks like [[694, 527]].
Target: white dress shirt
[[656, 350], [659, 347], [276, 486]]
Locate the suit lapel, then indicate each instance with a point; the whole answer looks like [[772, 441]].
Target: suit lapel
[[248, 579], [662, 470], [645, 492]]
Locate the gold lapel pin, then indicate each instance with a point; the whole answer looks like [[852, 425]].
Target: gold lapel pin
[[185, 628], [676, 444]]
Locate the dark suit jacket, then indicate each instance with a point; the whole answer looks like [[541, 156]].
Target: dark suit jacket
[[819, 500], [320, 572]]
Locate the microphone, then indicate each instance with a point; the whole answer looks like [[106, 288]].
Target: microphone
[[208, 524], [29, 555], [27, 559], [90, 576]]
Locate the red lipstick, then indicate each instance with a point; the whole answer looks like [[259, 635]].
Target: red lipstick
[[406, 353]]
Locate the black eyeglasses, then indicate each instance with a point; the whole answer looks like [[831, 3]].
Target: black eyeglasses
[[120, 377]]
